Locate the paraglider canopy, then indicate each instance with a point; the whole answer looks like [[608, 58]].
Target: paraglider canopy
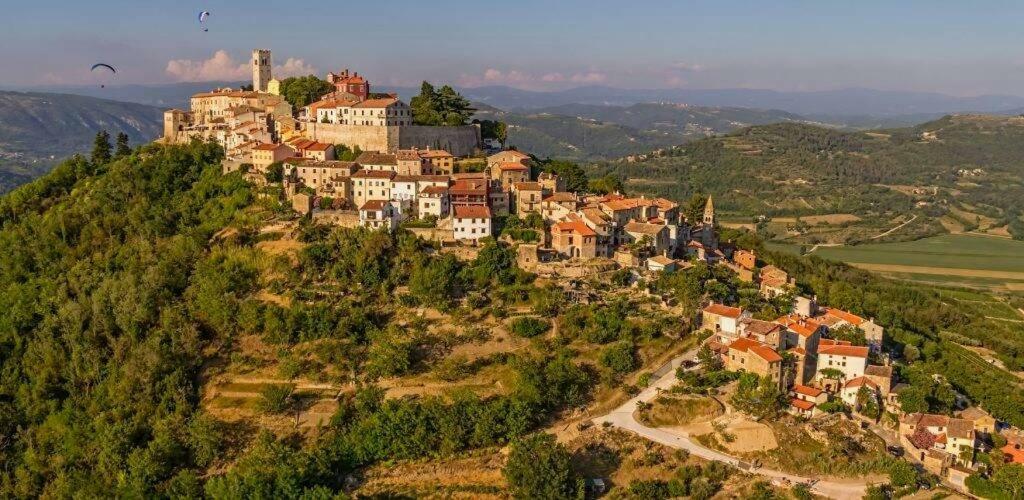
[[202, 19], [103, 65]]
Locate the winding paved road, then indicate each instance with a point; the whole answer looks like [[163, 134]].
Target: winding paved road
[[622, 417]]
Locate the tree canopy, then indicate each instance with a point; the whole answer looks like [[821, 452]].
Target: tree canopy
[[444, 107]]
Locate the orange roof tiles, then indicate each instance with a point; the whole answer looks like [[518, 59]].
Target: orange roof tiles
[[435, 153], [848, 317], [724, 310], [527, 186], [801, 326], [374, 174], [270, 147], [434, 190], [574, 226], [472, 212], [766, 353], [859, 381], [807, 391], [376, 103], [844, 350], [1013, 454], [512, 166], [373, 205], [801, 404]]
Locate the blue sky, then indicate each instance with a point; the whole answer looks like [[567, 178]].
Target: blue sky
[[962, 48]]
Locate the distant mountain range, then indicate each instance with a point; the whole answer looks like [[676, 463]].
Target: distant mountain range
[[854, 105], [38, 129], [589, 131], [584, 123]]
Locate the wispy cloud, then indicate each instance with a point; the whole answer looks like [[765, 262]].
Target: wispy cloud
[[687, 67], [221, 66], [516, 78]]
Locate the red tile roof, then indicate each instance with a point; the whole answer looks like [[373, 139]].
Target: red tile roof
[[434, 190], [724, 310], [807, 391], [511, 166], [472, 212], [318, 146], [574, 226], [762, 351], [376, 103], [373, 205], [270, 147], [859, 381], [1013, 454], [844, 350], [512, 152], [766, 353], [850, 318], [527, 186], [374, 174], [435, 153], [801, 404]]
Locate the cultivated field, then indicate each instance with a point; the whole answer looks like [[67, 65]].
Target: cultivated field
[[951, 259]]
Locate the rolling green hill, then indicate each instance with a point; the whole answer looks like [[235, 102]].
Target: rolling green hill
[[578, 131], [811, 185], [37, 130]]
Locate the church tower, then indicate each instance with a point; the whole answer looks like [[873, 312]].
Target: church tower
[[709, 213], [260, 70], [707, 230]]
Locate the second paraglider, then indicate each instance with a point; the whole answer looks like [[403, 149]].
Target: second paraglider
[[202, 19], [104, 67]]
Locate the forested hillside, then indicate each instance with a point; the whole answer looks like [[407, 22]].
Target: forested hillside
[[38, 130], [954, 172], [126, 283]]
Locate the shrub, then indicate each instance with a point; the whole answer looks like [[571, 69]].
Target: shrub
[[540, 467], [529, 327], [619, 357], [276, 398]]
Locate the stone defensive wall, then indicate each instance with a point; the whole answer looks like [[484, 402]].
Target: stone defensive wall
[[459, 141]]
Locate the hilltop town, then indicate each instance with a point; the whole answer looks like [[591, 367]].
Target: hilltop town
[[355, 159]]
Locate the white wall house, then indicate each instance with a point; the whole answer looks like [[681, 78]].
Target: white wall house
[[850, 360], [471, 223], [433, 200]]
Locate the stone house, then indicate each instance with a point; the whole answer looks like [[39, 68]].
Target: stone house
[[507, 174], [377, 214], [508, 156], [921, 433], [433, 200], [574, 239], [753, 357], [371, 185], [265, 155], [720, 318], [441, 161], [372, 160], [654, 237], [410, 162], [804, 400], [327, 178], [528, 196]]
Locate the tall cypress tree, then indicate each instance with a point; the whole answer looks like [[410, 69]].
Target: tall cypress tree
[[101, 148]]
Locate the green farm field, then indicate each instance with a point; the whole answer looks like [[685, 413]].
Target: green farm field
[[953, 259]]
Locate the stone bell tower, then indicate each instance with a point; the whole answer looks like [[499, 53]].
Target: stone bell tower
[[260, 70]]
